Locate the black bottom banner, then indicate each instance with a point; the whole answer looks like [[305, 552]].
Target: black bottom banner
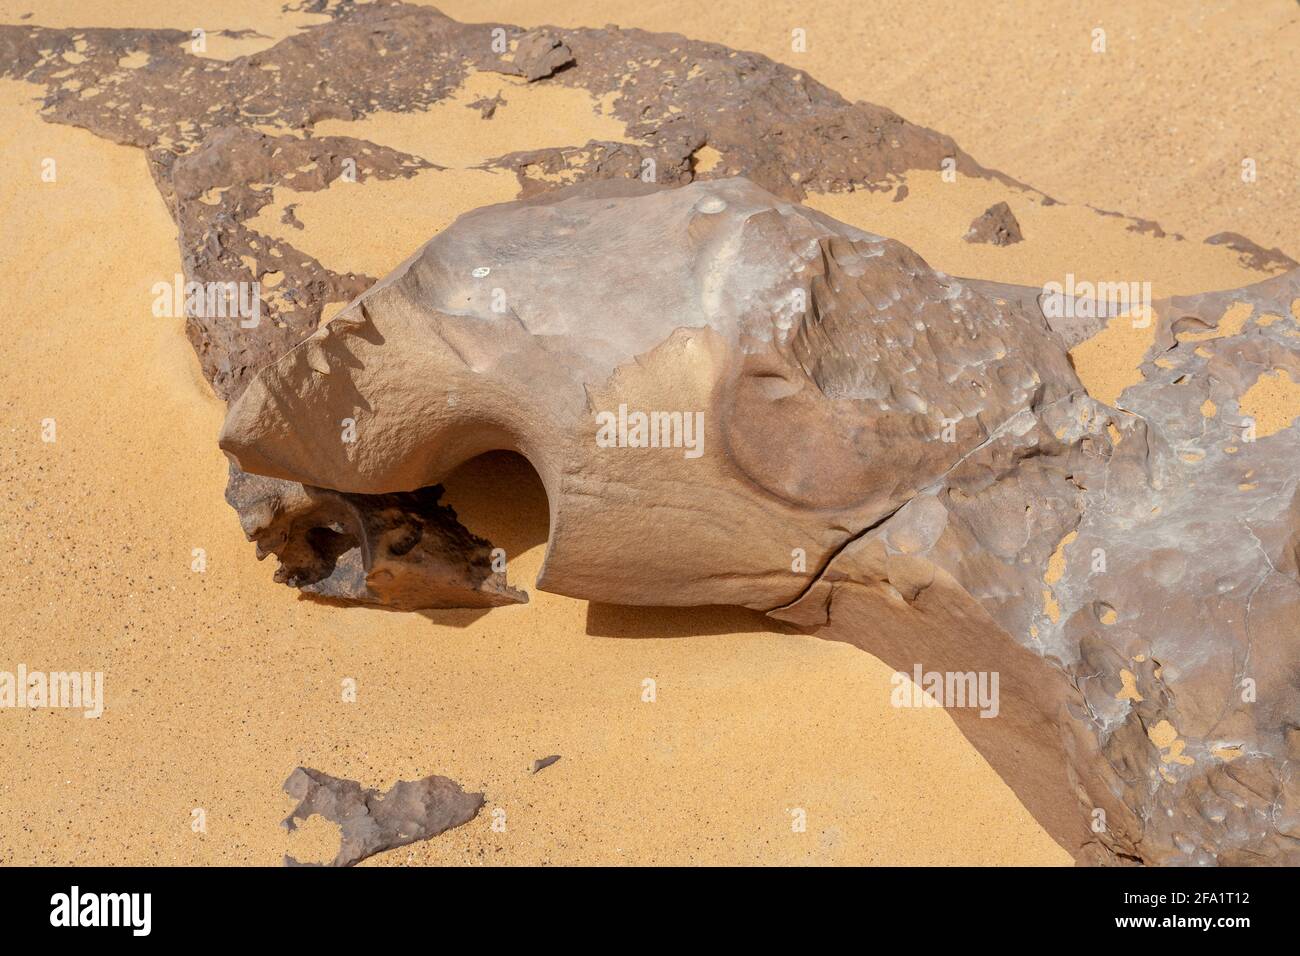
[[367, 903]]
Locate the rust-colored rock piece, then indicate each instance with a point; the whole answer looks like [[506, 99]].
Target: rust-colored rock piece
[[403, 551]]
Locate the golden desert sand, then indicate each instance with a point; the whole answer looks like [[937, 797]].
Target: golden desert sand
[[219, 683]]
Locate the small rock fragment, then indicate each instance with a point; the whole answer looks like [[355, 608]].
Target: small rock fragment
[[544, 762], [290, 217], [487, 105], [371, 822], [997, 226], [539, 54]]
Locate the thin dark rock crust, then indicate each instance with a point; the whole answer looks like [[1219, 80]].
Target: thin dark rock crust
[[1253, 255]]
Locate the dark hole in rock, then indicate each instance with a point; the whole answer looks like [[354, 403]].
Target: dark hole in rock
[[330, 545]]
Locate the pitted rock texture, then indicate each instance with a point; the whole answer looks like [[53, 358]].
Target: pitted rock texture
[[1198, 517], [1158, 668], [955, 497], [371, 822]]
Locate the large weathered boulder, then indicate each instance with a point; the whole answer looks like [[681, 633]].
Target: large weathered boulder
[[732, 399], [807, 378]]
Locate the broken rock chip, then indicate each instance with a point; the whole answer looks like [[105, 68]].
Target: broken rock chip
[[371, 822], [996, 226], [539, 53], [541, 763], [405, 551]]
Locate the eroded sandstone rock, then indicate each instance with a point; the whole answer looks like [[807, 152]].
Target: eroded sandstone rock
[[882, 454], [539, 53], [819, 356]]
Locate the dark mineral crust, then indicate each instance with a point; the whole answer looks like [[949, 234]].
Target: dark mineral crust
[[1253, 255], [195, 117]]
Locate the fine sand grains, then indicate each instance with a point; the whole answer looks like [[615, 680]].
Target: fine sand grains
[[405, 213], [1157, 120]]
